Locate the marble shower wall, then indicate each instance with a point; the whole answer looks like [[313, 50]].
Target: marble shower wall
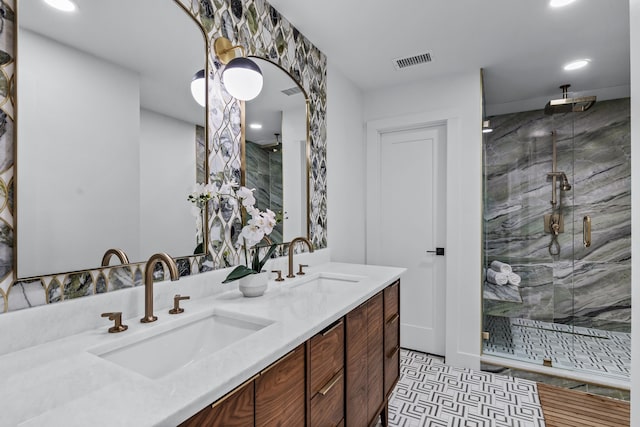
[[264, 173], [264, 32], [583, 286]]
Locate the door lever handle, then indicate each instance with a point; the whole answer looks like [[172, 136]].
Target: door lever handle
[[438, 251]]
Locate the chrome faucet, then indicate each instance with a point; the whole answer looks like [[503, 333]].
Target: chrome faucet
[[117, 252], [291, 246], [148, 282]]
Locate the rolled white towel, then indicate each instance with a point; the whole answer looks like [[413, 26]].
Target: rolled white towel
[[514, 279], [500, 267], [496, 278]]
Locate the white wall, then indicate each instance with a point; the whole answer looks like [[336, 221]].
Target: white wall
[[167, 176], [635, 208], [78, 127], [294, 173], [345, 168], [458, 100]]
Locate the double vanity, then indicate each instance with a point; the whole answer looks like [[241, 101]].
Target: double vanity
[[318, 349]]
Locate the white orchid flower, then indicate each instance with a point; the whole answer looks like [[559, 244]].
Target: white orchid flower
[[246, 195], [227, 188], [253, 211], [252, 234]]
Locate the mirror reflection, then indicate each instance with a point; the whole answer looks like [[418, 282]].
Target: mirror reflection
[[107, 132], [276, 159]]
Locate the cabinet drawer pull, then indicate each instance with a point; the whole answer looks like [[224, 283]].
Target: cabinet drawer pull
[[331, 328], [393, 318], [241, 386], [282, 359], [333, 381], [393, 352]]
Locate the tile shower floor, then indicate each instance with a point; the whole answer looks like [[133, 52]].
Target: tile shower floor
[[430, 393], [572, 347]]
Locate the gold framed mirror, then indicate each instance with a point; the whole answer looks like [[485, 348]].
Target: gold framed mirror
[[107, 133], [276, 150]]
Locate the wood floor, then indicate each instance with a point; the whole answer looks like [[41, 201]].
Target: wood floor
[[569, 408]]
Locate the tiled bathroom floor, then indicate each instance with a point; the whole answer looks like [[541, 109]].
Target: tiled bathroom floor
[[571, 347], [432, 394]]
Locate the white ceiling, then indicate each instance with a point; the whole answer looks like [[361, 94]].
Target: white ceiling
[[521, 44], [156, 39], [266, 109]]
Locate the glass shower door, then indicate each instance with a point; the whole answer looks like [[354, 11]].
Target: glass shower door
[[528, 227], [549, 180]]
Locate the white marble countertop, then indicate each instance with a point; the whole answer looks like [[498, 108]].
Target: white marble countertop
[[61, 382]]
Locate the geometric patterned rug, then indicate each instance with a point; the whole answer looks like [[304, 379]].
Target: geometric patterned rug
[[430, 393]]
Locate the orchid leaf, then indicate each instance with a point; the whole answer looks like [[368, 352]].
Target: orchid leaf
[[238, 273], [258, 264]]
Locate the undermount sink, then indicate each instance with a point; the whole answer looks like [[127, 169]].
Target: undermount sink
[[181, 345], [326, 282]]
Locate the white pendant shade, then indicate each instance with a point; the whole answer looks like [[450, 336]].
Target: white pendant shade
[[242, 79], [198, 88]]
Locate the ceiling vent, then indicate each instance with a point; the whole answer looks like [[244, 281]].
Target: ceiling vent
[[410, 61], [292, 91]]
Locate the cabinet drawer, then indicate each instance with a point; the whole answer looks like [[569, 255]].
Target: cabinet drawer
[[391, 353], [233, 410], [375, 356], [391, 300], [280, 392], [391, 334], [327, 406], [327, 356]]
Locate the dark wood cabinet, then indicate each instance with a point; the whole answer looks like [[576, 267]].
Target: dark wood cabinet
[[280, 392], [327, 408], [375, 357], [326, 377], [342, 376], [356, 353], [365, 398], [233, 410], [391, 337]]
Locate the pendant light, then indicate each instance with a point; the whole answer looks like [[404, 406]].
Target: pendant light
[[198, 88], [242, 78]]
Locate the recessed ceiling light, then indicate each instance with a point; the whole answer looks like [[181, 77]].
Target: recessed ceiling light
[[255, 126], [63, 5], [560, 3], [576, 65]]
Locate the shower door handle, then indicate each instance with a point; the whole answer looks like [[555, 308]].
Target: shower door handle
[[586, 231]]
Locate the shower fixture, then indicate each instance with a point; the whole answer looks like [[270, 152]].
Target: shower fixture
[[564, 182], [275, 146], [554, 222], [555, 174], [569, 105]]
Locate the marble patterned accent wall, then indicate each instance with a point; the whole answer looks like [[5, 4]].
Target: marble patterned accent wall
[[264, 32], [582, 286]]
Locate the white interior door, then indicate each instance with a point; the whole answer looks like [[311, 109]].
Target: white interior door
[[405, 219]]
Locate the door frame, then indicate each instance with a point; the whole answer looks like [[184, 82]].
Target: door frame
[[374, 130]]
